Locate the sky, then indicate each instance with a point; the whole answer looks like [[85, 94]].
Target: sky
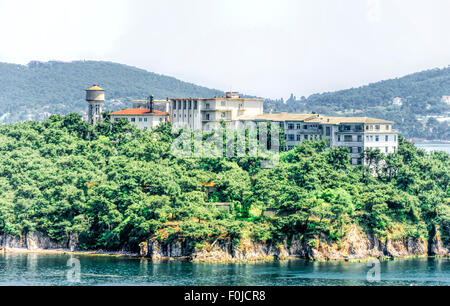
[[265, 48]]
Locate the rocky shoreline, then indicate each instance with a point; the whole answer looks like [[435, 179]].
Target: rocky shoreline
[[357, 246]]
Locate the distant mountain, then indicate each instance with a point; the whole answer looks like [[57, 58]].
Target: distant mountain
[[421, 113], [34, 91]]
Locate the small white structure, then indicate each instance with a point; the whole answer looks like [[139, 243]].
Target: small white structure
[[397, 101], [446, 99]]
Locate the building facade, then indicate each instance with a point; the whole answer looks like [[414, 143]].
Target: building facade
[[356, 133], [207, 113], [141, 118]]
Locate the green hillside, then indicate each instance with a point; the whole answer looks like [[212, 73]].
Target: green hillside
[[37, 89], [421, 115]]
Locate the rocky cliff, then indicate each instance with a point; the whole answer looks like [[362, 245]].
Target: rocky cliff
[[356, 245], [36, 241]]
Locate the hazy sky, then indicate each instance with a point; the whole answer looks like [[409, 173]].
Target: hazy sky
[[260, 47]]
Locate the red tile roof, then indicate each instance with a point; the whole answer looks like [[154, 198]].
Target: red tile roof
[[138, 111]]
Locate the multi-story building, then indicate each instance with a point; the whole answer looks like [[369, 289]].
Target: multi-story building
[[205, 114], [356, 133], [208, 113]]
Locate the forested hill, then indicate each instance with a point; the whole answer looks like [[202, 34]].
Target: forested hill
[[38, 89], [422, 114]]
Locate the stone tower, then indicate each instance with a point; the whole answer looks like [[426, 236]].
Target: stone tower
[[95, 96]]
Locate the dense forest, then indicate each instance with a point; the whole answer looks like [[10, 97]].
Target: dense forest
[[35, 91], [421, 95], [114, 186]]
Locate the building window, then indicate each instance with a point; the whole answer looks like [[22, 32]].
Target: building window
[[291, 137], [207, 116], [348, 138], [305, 127], [282, 125], [132, 119], [195, 104], [359, 138], [223, 103], [360, 149], [290, 126], [184, 104], [140, 119], [207, 106], [190, 104], [339, 137], [299, 137], [395, 137], [377, 127], [290, 147], [327, 131], [160, 119], [306, 137], [222, 115], [388, 127], [367, 127], [299, 126], [377, 138], [386, 138], [386, 149], [145, 119], [179, 104]]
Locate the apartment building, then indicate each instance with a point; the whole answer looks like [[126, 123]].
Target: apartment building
[[207, 113], [356, 133]]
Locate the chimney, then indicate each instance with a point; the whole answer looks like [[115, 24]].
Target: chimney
[[150, 100]]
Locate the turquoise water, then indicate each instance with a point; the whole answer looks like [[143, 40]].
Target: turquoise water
[[33, 269], [429, 147]]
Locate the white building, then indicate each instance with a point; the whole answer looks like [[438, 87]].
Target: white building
[[446, 99], [142, 118], [208, 113], [397, 101], [356, 133]]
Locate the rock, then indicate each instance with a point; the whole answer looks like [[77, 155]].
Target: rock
[[437, 247], [143, 249], [73, 242], [356, 245], [32, 241], [36, 241]]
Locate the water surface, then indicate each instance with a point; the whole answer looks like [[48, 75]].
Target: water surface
[[430, 147], [34, 269]]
